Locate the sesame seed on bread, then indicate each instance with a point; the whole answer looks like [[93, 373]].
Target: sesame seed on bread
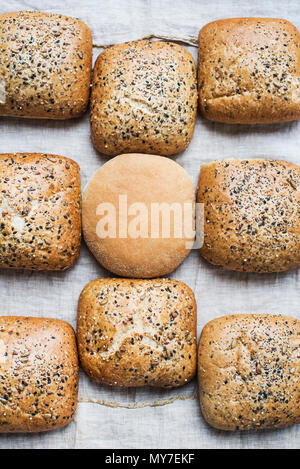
[[40, 198], [144, 99], [251, 214], [45, 65], [38, 374], [248, 71], [137, 332], [248, 372]]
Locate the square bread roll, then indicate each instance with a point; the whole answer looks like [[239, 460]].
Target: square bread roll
[[137, 332], [38, 374], [45, 65], [251, 214], [249, 71], [144, 99], [40, 199], [249, 372]]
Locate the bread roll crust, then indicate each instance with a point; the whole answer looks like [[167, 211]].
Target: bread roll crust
[[38, 374], [248, 71], [137, 332], [251, 214], [248, 371], [144, 99], [40, 199], [45, 65], [146, 179]]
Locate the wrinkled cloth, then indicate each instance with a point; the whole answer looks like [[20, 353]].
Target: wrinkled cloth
[[150, 418]]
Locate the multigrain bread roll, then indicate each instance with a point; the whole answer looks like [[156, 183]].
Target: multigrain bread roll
[[144, 99], [248, 371], [40, 226], [249, 71], [138, 215], [38, 374], [45, 65], [137, 332], [251, 214]]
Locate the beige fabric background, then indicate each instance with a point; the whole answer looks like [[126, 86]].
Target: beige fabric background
[[114, 418]]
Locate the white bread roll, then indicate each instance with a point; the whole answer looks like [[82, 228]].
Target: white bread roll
[[143, 248]]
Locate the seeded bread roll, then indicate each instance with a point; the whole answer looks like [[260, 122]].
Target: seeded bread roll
[[45, 65], [144, 99], [248, 371], [251, 214], [40, 226], [138, 215], [248, 71], [38, 374], [137, 332]]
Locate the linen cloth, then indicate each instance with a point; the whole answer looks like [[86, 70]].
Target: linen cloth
[[149, 418]]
